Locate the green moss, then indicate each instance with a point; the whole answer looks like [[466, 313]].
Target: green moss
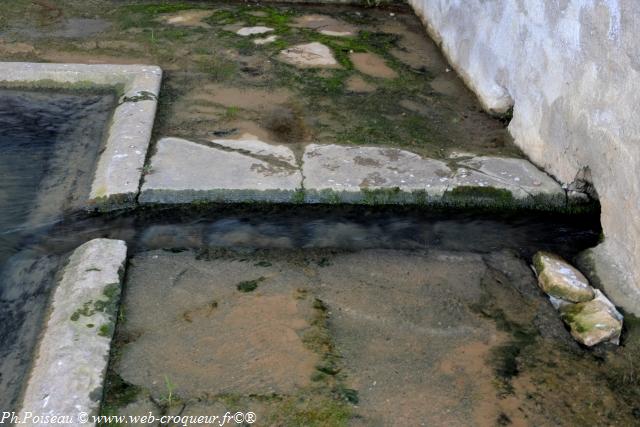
[[504, 357], [249, 285], [382, 196], [497, 194], [108, 305], [105, 330], [311, 412], [299, 196], [330, 196], [118, 393], [217, 68]]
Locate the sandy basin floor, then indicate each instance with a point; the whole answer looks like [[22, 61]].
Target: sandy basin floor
[[373, 337]]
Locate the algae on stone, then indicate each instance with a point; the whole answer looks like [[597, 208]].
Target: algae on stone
[[561, 280], [594, 321]]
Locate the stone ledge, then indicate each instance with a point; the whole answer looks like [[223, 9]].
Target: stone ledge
[[119, 168], [185, 172], [250, 170], [71, 361]]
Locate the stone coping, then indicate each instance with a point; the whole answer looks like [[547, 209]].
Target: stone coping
[[119, 169], [71, 361], [250, 170]]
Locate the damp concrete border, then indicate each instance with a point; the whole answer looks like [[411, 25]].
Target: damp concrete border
[[70, 365], [120, 166], [182, 172]]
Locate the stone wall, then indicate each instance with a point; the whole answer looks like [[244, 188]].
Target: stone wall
[[571, 71]]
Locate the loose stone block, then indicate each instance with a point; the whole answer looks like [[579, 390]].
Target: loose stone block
[[560, 279], [354, 174], [71, 361], [593, 322], [223, 170]]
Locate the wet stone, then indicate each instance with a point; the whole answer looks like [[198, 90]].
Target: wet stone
[[309, 55], [250, 31], [349, 172], [372, 65], [325, 24], [188, 18], [265, 40], [561, 280], [236, 342], [518, 176], [183, 172], [593, 322], [357, 84]]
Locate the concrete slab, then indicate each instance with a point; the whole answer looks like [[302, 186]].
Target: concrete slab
[[117, 176], [71, 361], [222, 170], [354, 174]]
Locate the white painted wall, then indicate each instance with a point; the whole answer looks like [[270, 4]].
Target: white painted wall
[[571, 69]]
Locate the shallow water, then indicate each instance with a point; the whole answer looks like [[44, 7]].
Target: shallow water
[[49, 143]]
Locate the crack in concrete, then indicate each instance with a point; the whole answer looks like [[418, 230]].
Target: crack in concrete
[[271, 159]]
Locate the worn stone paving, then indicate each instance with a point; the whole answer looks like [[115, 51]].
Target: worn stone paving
[[294, 75], [361, 338], [248, 169]]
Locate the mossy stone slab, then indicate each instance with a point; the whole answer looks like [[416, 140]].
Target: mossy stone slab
[[560, 279], [593, 322]]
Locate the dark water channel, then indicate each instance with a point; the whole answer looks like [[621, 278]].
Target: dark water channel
[[49, 145]]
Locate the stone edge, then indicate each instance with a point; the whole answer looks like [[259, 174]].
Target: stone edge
[[51, 382], [453, 196], [120, 166]]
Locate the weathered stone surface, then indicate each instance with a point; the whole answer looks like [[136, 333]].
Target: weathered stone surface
[[518, 176], [325, 24], [71, 361], [223, 170], [605, 270], [560, 279], [373, 65], [572, 72], [188, 18], [349, 172], [357, 84], [265, 40], [117, 176], [232, 170], [250, 31], [309, 55], [593, 322]]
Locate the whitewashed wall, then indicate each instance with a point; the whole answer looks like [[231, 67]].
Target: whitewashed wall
[[571, 70]]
